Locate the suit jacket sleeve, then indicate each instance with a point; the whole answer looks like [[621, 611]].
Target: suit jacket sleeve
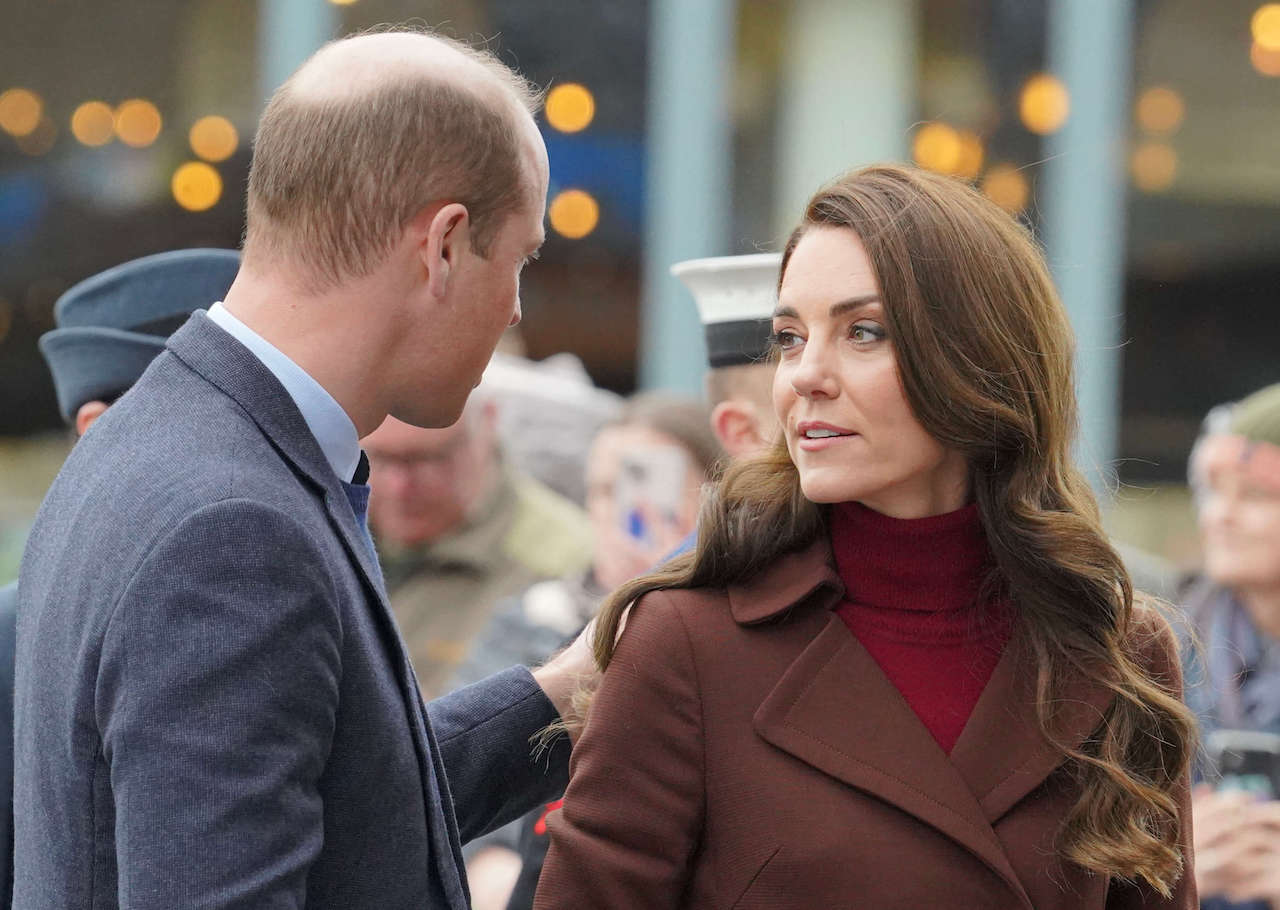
[[485, 734], [1158, 650], [216, 701], [632, 816]]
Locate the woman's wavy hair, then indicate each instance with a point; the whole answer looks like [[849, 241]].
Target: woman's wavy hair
[[985, 359]]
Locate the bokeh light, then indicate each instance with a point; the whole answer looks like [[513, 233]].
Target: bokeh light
[[972, 155], [197, 186], [1007, 187], [1266, 62], [1265, 26], [20, 111], [214, 138], [570, 107], [1154, 166], [40, 140], [1160, 109], [937, 147], [1044, 104], [574, 214], [343, 2], [138, 123], [93, 123]]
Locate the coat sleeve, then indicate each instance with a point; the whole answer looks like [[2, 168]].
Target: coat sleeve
[[484, 733], [216, 699], [1158, 647], [633, 813]]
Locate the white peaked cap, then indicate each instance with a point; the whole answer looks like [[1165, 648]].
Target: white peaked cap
[[735, 296]]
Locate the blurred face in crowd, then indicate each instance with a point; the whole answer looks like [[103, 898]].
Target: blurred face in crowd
[[642, 498], [427, 481], [1240, 527], [849, 429]]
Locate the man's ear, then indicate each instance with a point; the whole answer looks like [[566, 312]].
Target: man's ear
[[736, 426], [88, 413], [448, 235]]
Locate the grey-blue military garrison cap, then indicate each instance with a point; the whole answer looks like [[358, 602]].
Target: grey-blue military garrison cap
[[113, 324]]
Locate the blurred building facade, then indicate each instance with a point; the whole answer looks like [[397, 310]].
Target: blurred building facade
[[679, 128]]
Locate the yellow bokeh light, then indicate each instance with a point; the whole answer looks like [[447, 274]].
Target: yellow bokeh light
[[1044, 104], [570, 107], [20, 112], [1160, 109], [574, 214], [138, 123], [1154, 166], [971, 155], [937, 147], [93, 123], [196, 186], [1007, 187], [40, 140], [1265, 61], [1266, 26], [343, 2], [214, 138]]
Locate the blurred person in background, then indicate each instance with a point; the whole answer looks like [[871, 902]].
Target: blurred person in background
[[109, 328], [903, 621], [1234, 675], [644, 478], [458, 529]]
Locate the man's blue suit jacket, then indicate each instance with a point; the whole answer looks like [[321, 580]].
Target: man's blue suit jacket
[[213, 706]]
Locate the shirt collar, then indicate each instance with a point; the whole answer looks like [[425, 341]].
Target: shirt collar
[[326, 419]]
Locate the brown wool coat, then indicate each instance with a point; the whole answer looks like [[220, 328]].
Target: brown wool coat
[[745, 751]]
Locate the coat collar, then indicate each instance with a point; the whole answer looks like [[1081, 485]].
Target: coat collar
[[801, 577], [231, 367], [836, 710]]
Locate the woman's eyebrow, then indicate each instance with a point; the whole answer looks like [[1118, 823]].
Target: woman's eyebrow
[[837, 309]]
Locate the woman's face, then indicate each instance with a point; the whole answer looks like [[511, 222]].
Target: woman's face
[[1240, 526], [848, 426]]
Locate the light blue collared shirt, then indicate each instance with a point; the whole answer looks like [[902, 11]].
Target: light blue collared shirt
[[328, 423]]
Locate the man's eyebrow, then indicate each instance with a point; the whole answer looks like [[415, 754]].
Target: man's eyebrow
[[837, 309]]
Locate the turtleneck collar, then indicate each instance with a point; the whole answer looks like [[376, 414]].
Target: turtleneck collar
[[934, 564]]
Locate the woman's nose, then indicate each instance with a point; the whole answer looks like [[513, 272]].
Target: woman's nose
[[814, 376]]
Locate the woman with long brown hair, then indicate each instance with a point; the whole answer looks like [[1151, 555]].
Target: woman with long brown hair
[[903, 667]]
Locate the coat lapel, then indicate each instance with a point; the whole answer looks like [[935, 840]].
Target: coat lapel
[[1001, 754], [835, 710]]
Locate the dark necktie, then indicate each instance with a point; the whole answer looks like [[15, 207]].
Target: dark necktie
[[361, 476]]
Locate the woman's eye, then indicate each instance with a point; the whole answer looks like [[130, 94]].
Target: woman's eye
[[784, 340], [866, 332]]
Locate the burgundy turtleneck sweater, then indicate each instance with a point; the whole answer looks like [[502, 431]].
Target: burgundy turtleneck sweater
[[911, 599]]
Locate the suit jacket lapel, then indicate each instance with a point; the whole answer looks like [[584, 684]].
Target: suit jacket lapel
[[835, 710], [233, 369]]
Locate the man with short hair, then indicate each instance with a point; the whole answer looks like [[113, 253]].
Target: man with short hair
[[213, 705], [735, 296], [458, 529], [109, 328]]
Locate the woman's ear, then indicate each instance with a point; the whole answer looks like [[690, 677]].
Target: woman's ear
[[448, 236]]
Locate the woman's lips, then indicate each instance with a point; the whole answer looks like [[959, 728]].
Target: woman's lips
[[824, 442]]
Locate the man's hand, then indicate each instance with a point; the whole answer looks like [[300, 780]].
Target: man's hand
[[571, 671], [1237, 845]]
